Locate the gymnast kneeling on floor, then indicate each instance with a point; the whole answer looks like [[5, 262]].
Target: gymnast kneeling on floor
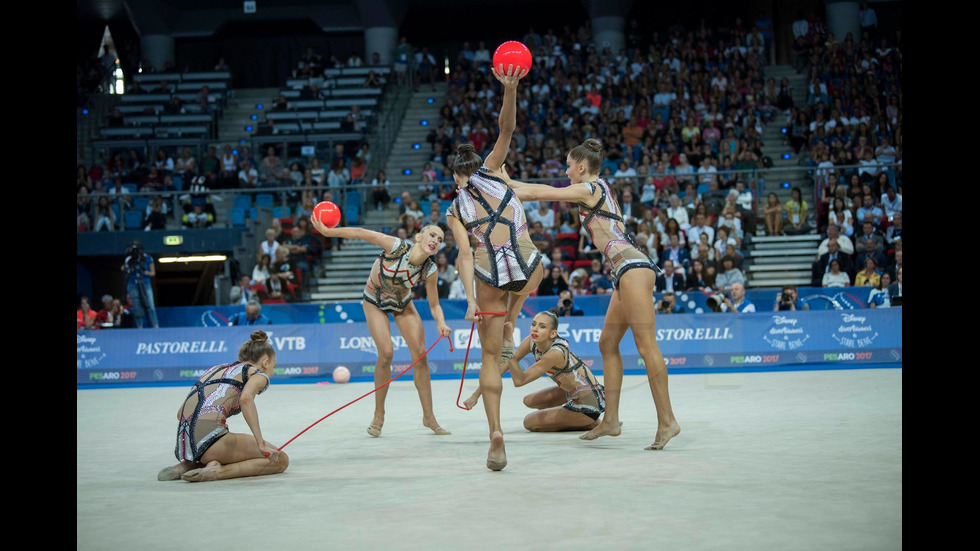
[[206, 449]]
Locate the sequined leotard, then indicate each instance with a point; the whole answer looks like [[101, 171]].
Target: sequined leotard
[[214, 398], [389, 287], [505, 256], [589, 397], [606, 228]]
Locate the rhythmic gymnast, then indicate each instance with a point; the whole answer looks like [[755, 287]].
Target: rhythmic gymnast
[[578, 400], [388, 290], [634, 274], [205, 448], [506, 264]]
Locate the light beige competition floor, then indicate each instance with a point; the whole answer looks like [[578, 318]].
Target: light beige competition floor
[[798, 460]]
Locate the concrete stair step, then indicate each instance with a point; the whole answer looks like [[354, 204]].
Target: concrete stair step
[[782, 245], [788, 259], [783, 267], [786, 238], [343, 294], [778, 283], [333, 281]]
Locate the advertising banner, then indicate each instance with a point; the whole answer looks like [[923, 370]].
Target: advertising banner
[[812, 298], [765, 340]]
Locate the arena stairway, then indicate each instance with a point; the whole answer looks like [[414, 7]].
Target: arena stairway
[[345, 271], [778, 260]]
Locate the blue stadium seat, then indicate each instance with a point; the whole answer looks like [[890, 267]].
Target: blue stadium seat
[[178, 182], [702, 189], [238, 217], [134, 219], [243, 201], [281, 212], [353, 214], [140, 203], [264, 200], [131, 188], [253, 213]]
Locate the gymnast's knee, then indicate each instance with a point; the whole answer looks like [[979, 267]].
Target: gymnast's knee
[[529, 424]]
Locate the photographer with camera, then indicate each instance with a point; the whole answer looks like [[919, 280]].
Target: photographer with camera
[[139, 268], [789, 299], [668, 304], [566, 305], [731, 301]]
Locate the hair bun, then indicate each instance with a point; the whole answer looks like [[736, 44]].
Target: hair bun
[[554, 311], [594, 145], [259, 336], [465, 147]]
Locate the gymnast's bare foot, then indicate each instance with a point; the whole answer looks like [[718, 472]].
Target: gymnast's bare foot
[[471, 401], [176, 471], [603, 429], [664, 434], [206, 474], [496, 457], [433, 425]]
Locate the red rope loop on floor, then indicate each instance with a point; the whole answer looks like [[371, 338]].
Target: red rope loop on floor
[[467, 358], [402, 372]]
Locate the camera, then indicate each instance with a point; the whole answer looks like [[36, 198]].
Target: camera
[[567, 303], [715, 301], [786, 297]]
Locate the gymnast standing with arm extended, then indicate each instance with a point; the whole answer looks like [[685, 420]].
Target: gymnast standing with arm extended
[[634, 275], [506, 265], [205, 448], [399, 267]]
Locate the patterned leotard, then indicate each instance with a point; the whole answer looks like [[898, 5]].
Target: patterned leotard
[[214, 398], [606, 228], [505, 257], [589, 396], [389, 287]]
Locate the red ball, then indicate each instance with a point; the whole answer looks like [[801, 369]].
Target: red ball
[[513, 53], [327, 213]]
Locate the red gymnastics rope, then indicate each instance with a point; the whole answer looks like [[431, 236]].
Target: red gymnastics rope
[[402, 372], [467, 358]]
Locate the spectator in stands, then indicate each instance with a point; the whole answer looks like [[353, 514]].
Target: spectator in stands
[[116, 119], [724, 239], [261, 271], [700, 226], [696, 279], [674, 252], [835, 277], [841, 217], [164, 162], [736, 301], [869, 211], [425, 64], [185, 166], [379, 191], [248, 177], [670, 280], [251, 316], [228, 174], [197, 217], [155, 216], [891, 201], [281, 276], [879, 297], [797, 211], [106, 318], [85, 317], [270, 244], [105, 218], [599, 279], [403, 56], [729, 275], [272, 171], [221, 65], [555, 283], [870, 275], [834, 234], [451, 249], [868, 232], [242, 293], [894, 232], [339, 176], [773, 212]]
